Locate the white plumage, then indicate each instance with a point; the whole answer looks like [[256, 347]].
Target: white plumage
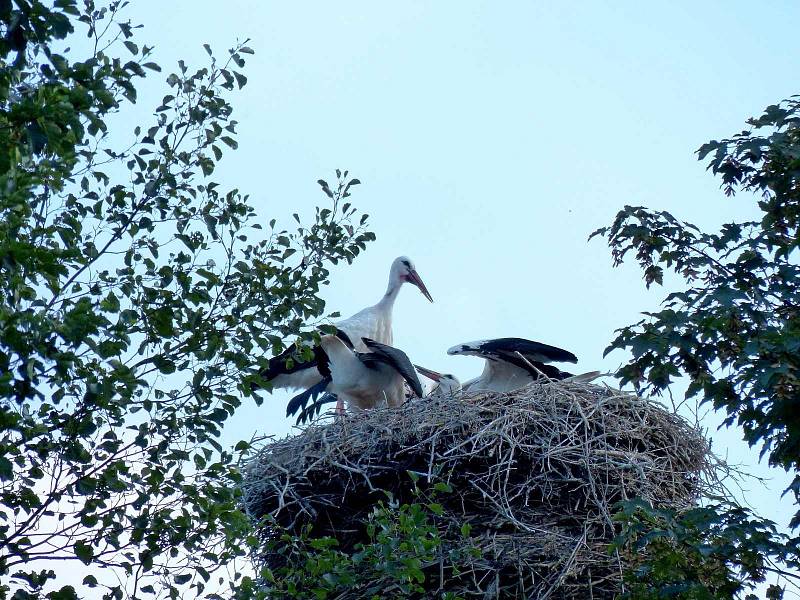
[[498, 377], [362, 379], [512, 363], [373, 322]]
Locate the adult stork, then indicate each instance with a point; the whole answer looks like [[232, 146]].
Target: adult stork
[[288, 370], [444, 385], [512, 363], [362, 379]]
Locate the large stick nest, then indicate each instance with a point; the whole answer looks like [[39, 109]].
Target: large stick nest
[[536, 474]]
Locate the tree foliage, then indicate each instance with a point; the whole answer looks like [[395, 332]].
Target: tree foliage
[[403, 548], [734, 332], [136, 297], [712, 552]]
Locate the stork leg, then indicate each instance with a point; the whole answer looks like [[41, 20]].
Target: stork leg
[[340, 408]]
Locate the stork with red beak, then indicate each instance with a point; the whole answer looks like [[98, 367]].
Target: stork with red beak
[[288, 370], [443, 385], [375, 322]]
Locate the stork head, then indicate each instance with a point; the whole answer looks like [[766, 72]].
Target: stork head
[[448, 384], [403, 270], [468, 349]]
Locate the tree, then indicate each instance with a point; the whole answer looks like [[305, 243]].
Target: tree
[[712, 552], [734, 331], [133, 309], [403, 541]]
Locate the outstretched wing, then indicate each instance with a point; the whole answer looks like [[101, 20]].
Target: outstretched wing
[[281, 365], [502, 348], [395, 358], [301, 400]]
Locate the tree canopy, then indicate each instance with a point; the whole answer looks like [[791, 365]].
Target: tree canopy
[[733, 331], [137, 297]]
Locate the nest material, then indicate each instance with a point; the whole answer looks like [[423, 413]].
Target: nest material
[[536, 474]]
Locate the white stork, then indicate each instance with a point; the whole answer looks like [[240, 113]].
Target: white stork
[[373, 322], [444, 385], [512, 363], [362, 379]]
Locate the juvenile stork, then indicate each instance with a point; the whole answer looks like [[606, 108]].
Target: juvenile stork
[[444, 385], [362, 379], [512, 363], [288, 370]]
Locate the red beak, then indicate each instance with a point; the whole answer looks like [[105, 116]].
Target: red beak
[[414, 278], [428, 373]]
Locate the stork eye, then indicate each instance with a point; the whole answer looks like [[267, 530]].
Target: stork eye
[[407, 264]]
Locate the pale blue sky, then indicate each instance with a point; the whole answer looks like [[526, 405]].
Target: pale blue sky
[[491, 139]]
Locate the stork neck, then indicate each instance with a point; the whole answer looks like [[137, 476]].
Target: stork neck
[[336, 350], [391, 293]]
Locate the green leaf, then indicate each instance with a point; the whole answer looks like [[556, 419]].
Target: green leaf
[[65, 593], [441, 486], [436, 508], [83, 551], [6, 469], [164, 365]]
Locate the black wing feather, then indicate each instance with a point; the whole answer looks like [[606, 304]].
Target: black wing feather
[[301, 399], [534, 368], [395, 358], [277, 365], [315, 408], [533, 351], [345, 338], [548, 370]]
